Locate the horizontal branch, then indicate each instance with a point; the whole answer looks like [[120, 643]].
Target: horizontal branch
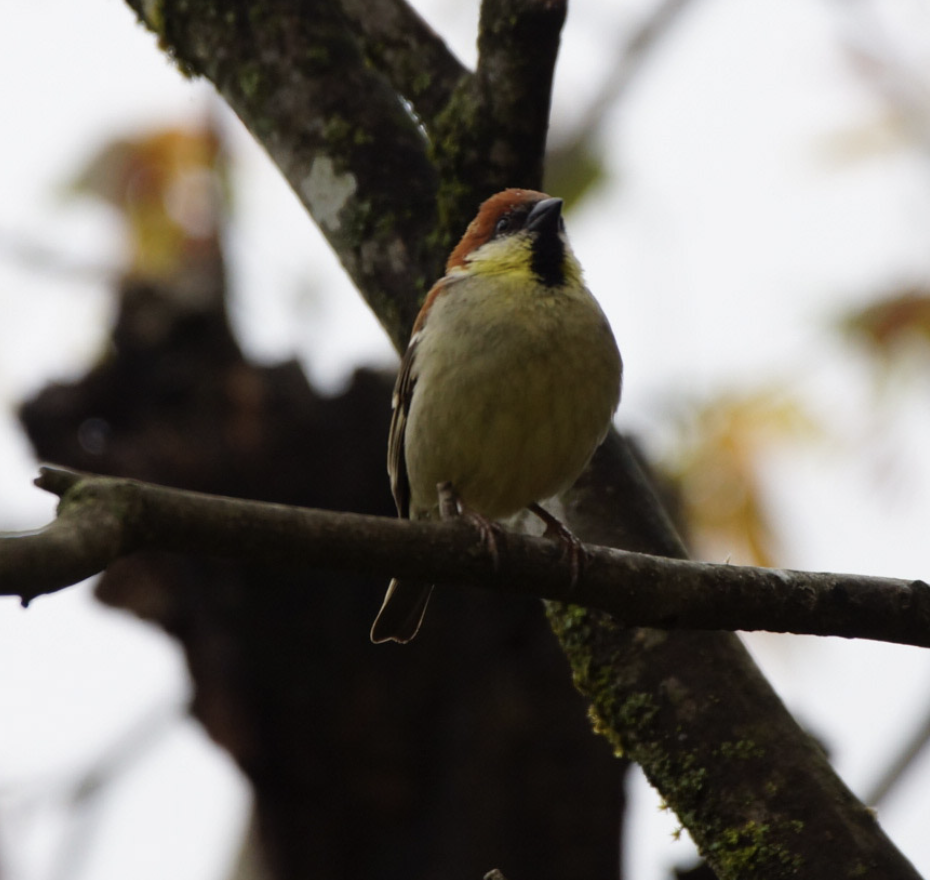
[[103, 518]]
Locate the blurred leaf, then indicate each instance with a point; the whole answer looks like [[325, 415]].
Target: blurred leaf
[[169, 187], [719, 469], [893, 324], [873, 139], [574, 170]]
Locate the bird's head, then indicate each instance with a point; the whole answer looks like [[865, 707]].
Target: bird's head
[[518, 232]]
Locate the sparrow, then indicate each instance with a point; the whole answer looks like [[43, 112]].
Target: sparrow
[[507, 387]]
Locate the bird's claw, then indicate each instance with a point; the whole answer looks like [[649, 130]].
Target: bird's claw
[[572, 546], [489, 532]]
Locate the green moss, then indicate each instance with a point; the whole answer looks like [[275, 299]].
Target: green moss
[[386, 222], [421, 82], [601, 728], [637, 710], [454, 151], [357, 219], [682, 780], [342, 137], [741, 750], [630, 722], [152, 13], [250, 79], [157, 18], [318, 56], [737, 850]]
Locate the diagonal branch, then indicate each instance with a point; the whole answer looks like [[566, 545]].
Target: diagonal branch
[[756, 792], [570, 159], [389, 197], [409, 52], [102, 518], [638, 50], [908, 754], [293, 72]]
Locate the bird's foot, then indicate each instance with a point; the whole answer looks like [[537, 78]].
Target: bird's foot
[[489, 532], [572, 546]]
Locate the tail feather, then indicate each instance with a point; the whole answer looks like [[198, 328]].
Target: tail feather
[[401, 613]]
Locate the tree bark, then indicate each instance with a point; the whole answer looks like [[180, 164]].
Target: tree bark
[[101, 519]]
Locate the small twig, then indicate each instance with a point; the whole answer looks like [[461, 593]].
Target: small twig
[[568, 146], [103, 518], [632, 58], [909, 753], [87, 795]]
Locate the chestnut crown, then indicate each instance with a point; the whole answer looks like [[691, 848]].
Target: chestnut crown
[[518, 231]]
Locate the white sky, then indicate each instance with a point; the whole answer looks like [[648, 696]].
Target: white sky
[[729, 237]]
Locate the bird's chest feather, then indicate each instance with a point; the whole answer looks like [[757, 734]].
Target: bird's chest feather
[[515, 393]]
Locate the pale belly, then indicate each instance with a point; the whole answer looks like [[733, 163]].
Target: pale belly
[[518, 422]]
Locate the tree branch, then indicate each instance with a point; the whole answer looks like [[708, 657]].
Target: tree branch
[[409, 52], [293, 72], [518, 44], [907, 755], [630, 60], [571, 163], [102, 518], [492, 133], [389, 202], [757, 794]]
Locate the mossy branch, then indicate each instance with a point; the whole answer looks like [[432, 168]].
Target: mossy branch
[[756, 793], [518, 45], [397, 41], [492, 132], [294, 73], [102, 518]]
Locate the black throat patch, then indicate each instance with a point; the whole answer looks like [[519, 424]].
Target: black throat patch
[[548, 259]]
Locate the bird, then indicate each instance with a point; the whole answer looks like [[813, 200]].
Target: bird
[[508, 385]]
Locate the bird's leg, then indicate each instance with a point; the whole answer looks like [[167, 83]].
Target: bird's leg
[[556, 530], [450, 505], [489, 532]]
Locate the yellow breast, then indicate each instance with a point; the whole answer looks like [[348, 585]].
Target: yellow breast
[[515, 388]]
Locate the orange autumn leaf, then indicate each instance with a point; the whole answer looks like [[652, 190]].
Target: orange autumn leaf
[[168, 186], [719, 471]]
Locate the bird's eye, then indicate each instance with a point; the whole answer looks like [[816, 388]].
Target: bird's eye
[[502, 225]]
